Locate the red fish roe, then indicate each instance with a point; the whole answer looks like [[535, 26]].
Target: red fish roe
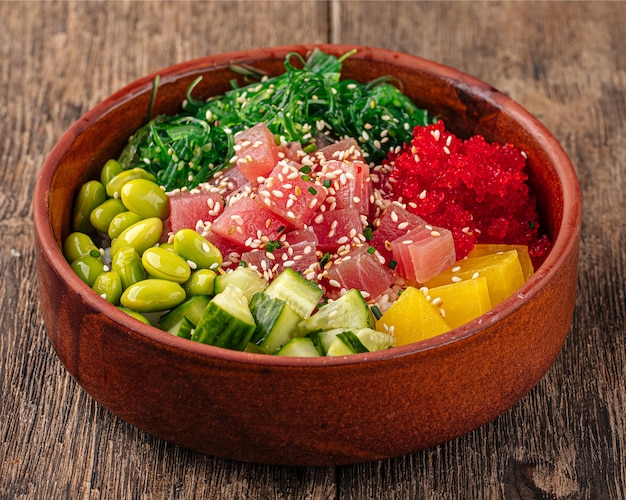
[[476, 189]]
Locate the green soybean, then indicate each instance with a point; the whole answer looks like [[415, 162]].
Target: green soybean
[[153, 294], [121, 221], [193, 247], [111, 169], [127, 264], [88, 268], [109, 286], [201, 282], [135, 315], [114, 186], [90, 195], [145, 198], [141, 235], [167, 246], [103, 214], [161, 263], [78, 244]]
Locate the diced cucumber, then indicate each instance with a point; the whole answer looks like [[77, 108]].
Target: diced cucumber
[[345, 343], [185, 328], [192, 309], [349, 311], [299, 346], [275, 321], [227, 321], [301, 294], [247, 280], [374, 340], [371, 340]]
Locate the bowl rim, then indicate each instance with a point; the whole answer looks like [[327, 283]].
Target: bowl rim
[[562, 246]]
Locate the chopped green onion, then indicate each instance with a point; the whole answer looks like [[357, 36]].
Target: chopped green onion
[[392, 264], [327, 183], [368, 233], [312, 190], [371, 250]]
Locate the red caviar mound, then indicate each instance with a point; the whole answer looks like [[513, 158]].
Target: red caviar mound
[[476, 189]]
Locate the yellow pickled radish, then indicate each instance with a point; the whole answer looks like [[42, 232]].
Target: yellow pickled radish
[[412, 318], [522, 253], [462, 301], [503, 272]]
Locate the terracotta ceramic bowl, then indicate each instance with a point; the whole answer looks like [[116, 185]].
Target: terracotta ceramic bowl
[[320, 411]]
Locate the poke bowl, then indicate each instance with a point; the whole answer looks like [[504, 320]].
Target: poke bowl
[[244, 404]]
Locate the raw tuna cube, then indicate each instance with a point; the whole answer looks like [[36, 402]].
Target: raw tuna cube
[[345, 149], [362, 270], [298, 257], [291, 194], [423, 252], [292, 151], [300, 236], [248, 223], [350, 185], [189, 207], [231, 251], [256, 151], [338, 228], [228, 181], [395, 222]]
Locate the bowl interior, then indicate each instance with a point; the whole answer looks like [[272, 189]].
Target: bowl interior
[[467, 106]]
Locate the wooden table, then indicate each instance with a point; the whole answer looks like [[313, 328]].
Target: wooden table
[[564, 61]]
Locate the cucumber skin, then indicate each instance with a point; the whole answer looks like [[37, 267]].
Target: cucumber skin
[[219, 328], [276, 322], [192, 309], [301, 294], [300, 347]]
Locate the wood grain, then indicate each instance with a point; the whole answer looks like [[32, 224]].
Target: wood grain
[[564, 61]]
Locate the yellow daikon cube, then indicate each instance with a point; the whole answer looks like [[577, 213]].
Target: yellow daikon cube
[[412, 318], [503, 272], [462, 301]]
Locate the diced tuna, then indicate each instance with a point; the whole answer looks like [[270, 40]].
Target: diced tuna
[[248, 222], [338, 228], [188, 208], [423, 252], [395, 222], [361, 269], [290, 194], [256, 151]]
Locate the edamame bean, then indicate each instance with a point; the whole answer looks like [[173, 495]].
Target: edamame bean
[[135, 314], [114, 186], [141, 235], [161, 263], [90, 195], [193, 247], [103, 214], [167, 246], [109, 286], [88, 268], [78, 244], [201, 282], [145, 198], [153, 294], [111, 169], [127, 264], [121, 221]]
